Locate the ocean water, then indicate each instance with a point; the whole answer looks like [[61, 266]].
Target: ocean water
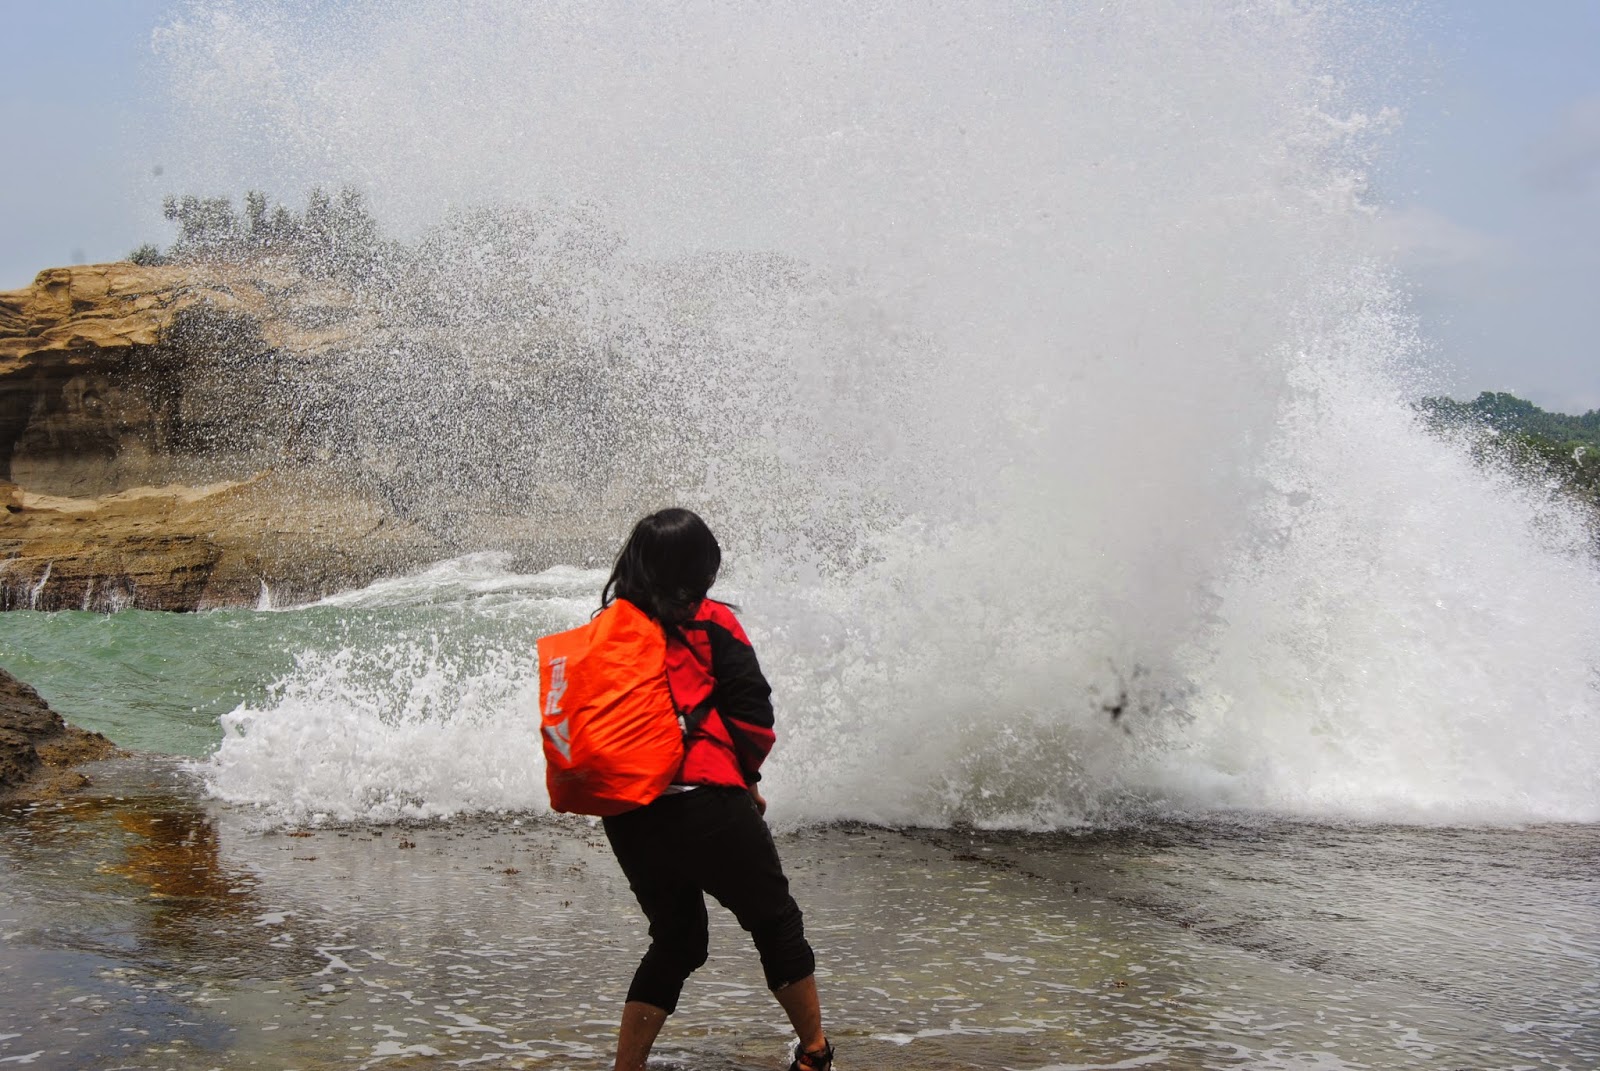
[[417, 698], [334, 850], [1154, 688]]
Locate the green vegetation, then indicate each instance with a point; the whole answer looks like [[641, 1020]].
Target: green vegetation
[[147, 255], [332, 237], [1567, 447]]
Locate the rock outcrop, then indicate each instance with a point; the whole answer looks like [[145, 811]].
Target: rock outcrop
[[180, 547], [179, 437], [115, 376], [37, 748]]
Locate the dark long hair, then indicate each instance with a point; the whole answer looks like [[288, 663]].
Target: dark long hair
[[666, 567]]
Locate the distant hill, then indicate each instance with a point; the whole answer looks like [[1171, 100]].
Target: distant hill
[[1511, 415], [1566, 446]]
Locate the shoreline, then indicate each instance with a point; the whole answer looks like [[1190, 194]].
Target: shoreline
[[178, 935]]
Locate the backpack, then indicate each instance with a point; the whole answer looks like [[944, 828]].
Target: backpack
[[612, 734]]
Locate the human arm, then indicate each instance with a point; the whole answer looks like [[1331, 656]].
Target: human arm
[[741, 694]]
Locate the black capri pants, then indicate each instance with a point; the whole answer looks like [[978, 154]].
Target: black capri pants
[[708, 840]]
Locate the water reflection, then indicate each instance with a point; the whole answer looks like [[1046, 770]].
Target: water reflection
[[146, 928]]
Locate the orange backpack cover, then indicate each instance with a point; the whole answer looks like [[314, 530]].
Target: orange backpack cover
[[612, 738]]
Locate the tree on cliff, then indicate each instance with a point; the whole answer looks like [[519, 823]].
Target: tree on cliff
[[337, 237], [255, 215], [205, 224], [148, 255], [331, 238]]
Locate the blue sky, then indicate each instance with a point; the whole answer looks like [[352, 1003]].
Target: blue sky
[[1494, 184], [72, 84], [1497, 178]]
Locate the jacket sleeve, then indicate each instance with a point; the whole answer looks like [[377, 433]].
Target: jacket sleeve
[[741, 696]]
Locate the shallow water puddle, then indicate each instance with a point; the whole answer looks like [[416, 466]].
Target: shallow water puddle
[[143, 927]]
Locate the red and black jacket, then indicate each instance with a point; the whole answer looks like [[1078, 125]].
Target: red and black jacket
[[717, 682]]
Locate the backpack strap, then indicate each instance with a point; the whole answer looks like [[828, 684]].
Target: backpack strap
[[747, 755], [693, 720]]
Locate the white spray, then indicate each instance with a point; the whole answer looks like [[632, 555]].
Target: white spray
[[1032, 362]]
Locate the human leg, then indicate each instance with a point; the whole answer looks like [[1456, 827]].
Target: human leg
[[641, 1023], [740, 867], [800, 1004], [679, 944], [676, 911]]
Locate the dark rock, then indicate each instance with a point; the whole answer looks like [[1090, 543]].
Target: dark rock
[[35, 741]]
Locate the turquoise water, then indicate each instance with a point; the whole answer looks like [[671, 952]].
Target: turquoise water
[[152, 681], [162, 682]]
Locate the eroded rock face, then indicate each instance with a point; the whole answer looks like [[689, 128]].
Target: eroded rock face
[[179, 437], [149, 457], [116, 375], [34, 740], [184, 547]]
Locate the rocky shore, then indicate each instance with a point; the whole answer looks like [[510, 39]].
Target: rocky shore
[[38, 750], [138, 467], [186, 437]]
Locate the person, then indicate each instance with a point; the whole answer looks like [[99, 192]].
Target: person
[[707, 832]]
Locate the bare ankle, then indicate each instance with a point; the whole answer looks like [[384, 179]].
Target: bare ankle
[[813, 1058]]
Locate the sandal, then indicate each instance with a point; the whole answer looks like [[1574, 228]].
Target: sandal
[[816, 1060]]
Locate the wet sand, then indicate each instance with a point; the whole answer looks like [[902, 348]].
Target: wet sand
[[141, 927]]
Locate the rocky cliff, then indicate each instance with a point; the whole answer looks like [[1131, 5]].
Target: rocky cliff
[[148, 458], [185, 547], [116, 375], [184, 437]]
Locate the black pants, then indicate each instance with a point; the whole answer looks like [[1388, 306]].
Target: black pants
[[709, 840]]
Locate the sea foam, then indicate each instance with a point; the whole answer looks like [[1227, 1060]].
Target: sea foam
[[1032, 361]]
